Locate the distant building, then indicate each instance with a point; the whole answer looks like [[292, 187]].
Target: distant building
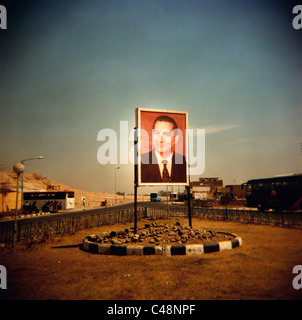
[[201, 193], [237, 190], [55, 187], [206, 188]]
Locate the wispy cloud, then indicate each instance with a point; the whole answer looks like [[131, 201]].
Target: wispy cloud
[[216, 129], [238, 141]]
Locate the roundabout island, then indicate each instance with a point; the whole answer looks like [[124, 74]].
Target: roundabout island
[[161, 239]]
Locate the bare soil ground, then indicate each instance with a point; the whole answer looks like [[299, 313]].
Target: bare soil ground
[[262, 268]]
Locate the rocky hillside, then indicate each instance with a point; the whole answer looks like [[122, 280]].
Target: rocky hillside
[[36, 182]]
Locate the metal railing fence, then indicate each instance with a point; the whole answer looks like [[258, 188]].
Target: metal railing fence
[[70, 222]]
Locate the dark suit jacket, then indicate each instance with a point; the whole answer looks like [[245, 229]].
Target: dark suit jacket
[[150, 170]]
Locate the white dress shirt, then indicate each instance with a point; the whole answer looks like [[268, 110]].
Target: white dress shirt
[[160, 160]]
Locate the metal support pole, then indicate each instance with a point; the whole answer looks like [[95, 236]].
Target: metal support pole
[[18, 169], [135, 208], [135, 179], [189, 206], [189, 186], [22, 192], [115, 184], [16, 212]]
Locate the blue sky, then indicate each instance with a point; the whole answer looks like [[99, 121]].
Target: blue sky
[[72, 68]]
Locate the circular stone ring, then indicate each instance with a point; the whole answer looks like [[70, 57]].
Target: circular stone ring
[[165, 250]]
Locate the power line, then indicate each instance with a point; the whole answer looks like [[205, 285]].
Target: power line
[[259, 162]]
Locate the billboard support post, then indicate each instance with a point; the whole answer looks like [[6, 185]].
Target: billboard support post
[[135, 208], [188, 190], [189, 206], [165, 162], [135, 180]]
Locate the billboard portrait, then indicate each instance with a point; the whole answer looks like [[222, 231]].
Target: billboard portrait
[[161, 147]]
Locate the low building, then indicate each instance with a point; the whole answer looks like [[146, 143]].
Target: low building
[[237, 190], [201, 193], [206, 188]]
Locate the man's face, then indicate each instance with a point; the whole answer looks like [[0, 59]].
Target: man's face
[[163, 138]]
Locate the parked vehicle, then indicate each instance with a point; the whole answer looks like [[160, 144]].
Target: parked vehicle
[[278, 193], [155, 197]]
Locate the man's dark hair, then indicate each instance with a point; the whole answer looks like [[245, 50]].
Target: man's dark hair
[[165, 119]]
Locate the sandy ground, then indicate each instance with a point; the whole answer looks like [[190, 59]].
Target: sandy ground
[[262, 268]]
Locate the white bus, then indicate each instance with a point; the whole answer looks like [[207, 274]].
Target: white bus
[[48, 201]]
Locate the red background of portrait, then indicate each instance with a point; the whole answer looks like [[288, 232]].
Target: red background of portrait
[[146, 123]]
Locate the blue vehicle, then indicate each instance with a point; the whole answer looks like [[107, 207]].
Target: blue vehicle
[[156, 197]]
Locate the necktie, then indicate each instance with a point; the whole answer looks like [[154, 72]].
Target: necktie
[[165, 175]]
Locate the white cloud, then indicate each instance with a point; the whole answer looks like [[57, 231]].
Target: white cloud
[[216, 129], [238, 141]]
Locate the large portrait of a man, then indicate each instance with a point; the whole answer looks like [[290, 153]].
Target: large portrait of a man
[[161, 147]]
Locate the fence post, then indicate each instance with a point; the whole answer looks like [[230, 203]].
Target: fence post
[[282, 218], [19, 231], [189, 206]]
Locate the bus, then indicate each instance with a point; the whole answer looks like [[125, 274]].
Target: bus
[[156, 197], [173, 196], [48, 201], [278, 193]]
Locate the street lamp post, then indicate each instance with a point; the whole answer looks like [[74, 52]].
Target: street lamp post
[[115, 183], [19, 168], [22, 162]]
